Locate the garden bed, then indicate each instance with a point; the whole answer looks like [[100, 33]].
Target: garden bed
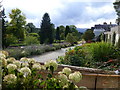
[[25, 51]]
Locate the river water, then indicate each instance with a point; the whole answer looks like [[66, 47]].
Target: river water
[[53, 55]]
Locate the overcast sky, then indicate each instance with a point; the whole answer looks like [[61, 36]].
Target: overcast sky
[[82, 13]]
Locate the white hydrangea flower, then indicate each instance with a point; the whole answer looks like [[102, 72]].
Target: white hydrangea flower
[[60, 72], [11, 60], [17, 63], [25, 71], [10, 79], [51, 63], [4, 62], [24, 59], [65, 86], [43, 67], [31, 60], [2, 55], [36, 66], [11, 67], [4, 52], [66, 70], [25, 64], [63, 79], [76, 76]]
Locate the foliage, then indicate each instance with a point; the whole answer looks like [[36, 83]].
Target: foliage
[[71, 39], [29, 40], [58, 34], [46, 31], [34, 35], [62, 36], [67, 30], [25, 51], [17, 24], [92, 55], [30, 27], [10, 39], [3, 39], [29, 74], [102, 51], [88, 35]]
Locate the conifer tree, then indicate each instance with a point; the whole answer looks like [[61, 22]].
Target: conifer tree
[[67, 30], [58, 34], [46, 32]]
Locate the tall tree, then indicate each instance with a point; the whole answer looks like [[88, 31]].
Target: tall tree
[[31, 27], [17, 24], [46, 31], [67, 30], [3, 29], [58, 33], [88, 35], [117, 9]]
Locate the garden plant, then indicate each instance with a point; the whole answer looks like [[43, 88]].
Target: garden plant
[[96, 55], [26, 74]]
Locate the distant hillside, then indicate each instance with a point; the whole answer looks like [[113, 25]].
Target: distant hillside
[[82, 30]]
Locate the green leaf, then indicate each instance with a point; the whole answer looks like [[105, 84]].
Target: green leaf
[[36, 82], [52, 69], [42, 83], [49, 75]]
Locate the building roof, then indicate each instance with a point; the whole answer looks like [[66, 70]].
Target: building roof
[[117, 0], [104, 26]]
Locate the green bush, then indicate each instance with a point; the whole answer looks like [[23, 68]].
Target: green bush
[[73, 57], [101, 51], [91, 55], [31, 40], [71, 39], [11, 39], [26, 73]]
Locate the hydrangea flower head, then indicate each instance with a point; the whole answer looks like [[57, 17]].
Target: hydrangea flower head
[[11, 60], [11, 67], [51, 63], [10, 79], [36, 66], [75, 77], [25, 71], [17, 63], [66, 70]]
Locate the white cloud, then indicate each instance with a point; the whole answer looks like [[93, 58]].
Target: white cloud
[[92, 23], [34, 10]]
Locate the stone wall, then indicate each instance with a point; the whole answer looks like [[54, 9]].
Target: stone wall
[[95, 78]]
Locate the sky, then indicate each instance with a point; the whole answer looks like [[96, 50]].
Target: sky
[[81, 13]]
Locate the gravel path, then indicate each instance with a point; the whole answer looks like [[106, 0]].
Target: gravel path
[[51, 55]]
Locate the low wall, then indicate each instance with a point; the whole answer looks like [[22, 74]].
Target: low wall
[[95, 78]]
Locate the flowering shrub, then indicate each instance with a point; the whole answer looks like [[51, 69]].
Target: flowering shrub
[[95, 55], [29, 74], [25, 51]]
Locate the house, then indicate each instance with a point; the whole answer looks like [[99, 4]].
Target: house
[[113, 35], [100, 28]]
